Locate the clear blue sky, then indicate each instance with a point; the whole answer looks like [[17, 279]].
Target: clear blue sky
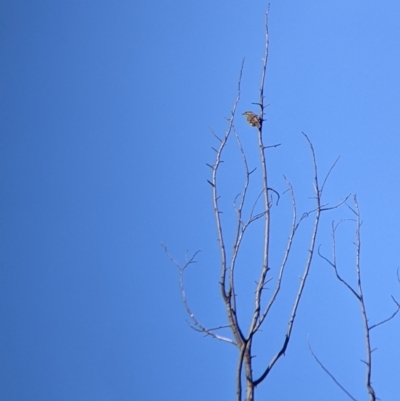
[[105, 115]]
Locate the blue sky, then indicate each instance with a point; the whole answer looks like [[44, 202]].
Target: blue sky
[[105, 115]]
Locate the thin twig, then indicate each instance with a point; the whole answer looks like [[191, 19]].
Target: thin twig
[[329, 172], [387, 319], [329, 373]]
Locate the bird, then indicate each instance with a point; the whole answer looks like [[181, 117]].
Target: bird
[[252, 119]]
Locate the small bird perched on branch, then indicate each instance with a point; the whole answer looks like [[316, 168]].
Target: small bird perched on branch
[[252, 119]]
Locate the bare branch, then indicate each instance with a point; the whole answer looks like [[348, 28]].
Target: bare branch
[[305, 271], [240, 229], [333, 264], [368, 383], [285, 257], [255, 203], [337, 205], [265, 268], [264, 67], [215, 135], [174, 262], [277, 194], [226, 276], [358, 293], [239, 373], [329, 373], [193, 323], [398, 304], [389, 318], [394, 313], [247, 173], [272, 146], [329, 172]]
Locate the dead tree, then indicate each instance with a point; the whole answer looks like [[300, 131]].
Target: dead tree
[[263, 302], [357, 292]]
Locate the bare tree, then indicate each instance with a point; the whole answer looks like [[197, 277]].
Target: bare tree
[[357, 292], [243, 337], [247, 213]]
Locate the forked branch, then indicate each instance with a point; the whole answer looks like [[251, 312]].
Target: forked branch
[[358, 293], [193, 322]]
